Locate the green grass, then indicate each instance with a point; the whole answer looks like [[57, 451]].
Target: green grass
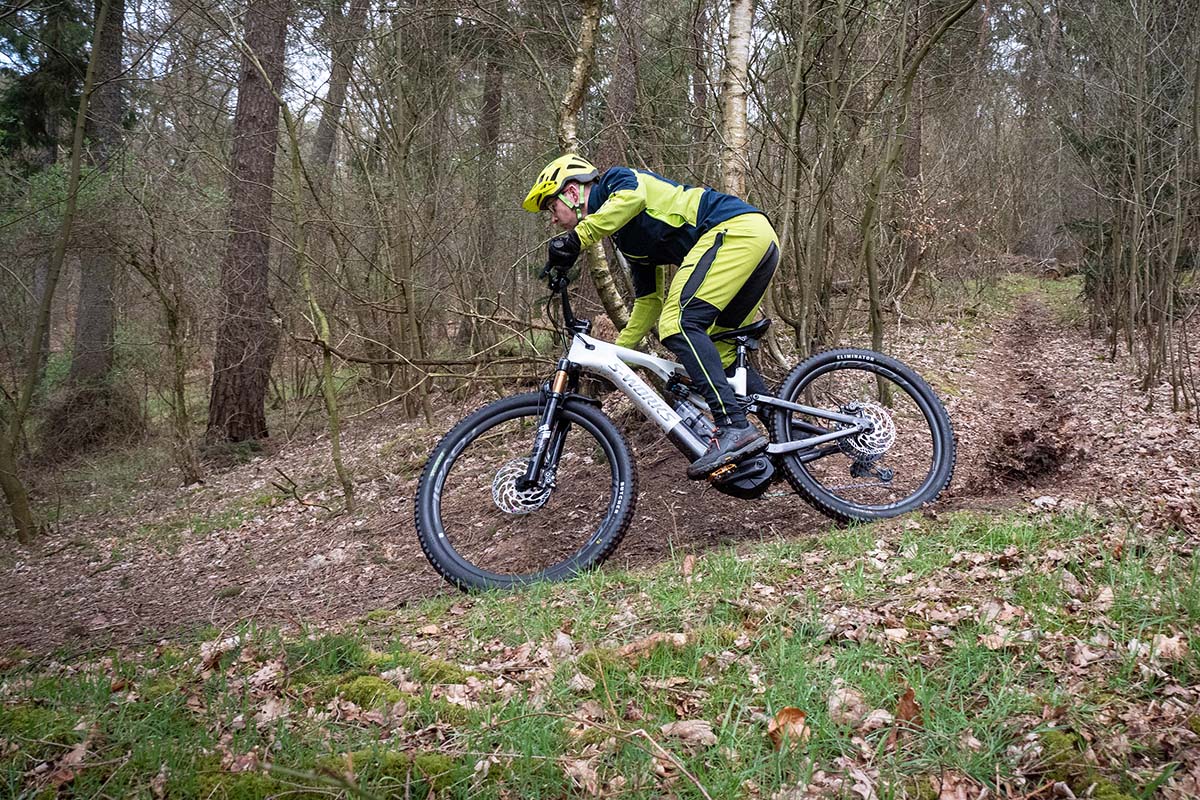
[[511, 692]]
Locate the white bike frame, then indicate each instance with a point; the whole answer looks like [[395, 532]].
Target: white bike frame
[[614, 363]]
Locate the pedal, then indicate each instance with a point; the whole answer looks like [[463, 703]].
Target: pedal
[[723, 472]]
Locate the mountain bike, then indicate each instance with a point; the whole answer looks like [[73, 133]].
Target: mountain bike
[[541, 486]]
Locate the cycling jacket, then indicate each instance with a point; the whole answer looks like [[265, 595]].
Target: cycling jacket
[[653, 220]]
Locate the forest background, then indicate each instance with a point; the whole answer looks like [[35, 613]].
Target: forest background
[[256, 257], [215, 209]]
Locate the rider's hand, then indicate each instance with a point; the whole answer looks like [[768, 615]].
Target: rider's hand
[[563, 250]]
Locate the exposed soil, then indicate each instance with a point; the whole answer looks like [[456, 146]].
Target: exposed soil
[[1041, 416]]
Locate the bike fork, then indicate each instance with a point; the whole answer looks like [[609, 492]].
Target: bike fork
[[551, 433]]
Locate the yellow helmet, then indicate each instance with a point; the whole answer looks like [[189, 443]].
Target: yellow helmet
[[556, 174]]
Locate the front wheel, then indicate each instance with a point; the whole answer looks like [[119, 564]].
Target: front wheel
[[481, 528], [900, 463]]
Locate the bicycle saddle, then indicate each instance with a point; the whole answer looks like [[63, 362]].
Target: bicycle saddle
[[754, 330]]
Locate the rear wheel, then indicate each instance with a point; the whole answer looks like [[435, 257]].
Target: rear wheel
[[902, 462], [481, 529]]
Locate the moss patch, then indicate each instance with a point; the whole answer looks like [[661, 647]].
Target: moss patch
[[431, 670], [1063, 753], [41, 732], [369, 691], [594, 662]]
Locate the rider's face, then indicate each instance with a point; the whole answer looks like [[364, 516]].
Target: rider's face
[[560, 213]]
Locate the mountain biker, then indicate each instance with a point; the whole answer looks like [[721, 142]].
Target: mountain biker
[[726, 250]]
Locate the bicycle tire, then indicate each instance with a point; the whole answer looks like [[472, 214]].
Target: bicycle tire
[[923, 424], [461, 521]]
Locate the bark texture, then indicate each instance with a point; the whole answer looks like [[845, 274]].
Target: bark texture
[[733, 97], [246, 338], [568, 141], [95, 321]]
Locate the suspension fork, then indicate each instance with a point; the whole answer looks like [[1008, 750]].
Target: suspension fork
[[551, 431]]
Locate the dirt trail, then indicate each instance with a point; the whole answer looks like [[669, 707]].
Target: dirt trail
[[1039, 413]]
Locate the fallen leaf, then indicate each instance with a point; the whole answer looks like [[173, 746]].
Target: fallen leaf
[[999, 611], [1071, 584], [645, 646], [1104, 599], [879, 718], [1168, 648], [581, 684], [429, 630], [158, 784], [846, 705], [583, 774], [563, 645], [907, 710], [863, 784], [954, 786], [993, 641], [272, 710], [908, 715], [458, 694], [969, 741], [211, 652], [691, 731], [591, 710], [688, 567], [1082, 655], [267, 675], [789, 727], [69, 765]]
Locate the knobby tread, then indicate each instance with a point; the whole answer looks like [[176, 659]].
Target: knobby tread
[[623, 462]]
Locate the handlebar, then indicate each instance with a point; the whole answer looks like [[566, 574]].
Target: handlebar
[[557, 279]]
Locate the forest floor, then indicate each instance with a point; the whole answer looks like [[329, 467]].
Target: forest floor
[[1045, 420]]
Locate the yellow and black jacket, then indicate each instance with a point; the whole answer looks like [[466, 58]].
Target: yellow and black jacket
[[653, 220]]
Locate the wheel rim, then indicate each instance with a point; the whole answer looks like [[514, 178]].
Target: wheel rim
[[499, 534], [893, 465]]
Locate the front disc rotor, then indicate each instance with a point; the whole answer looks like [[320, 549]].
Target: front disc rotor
[[511, 500]]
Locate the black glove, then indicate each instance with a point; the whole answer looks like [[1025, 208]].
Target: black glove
[[563, 250]]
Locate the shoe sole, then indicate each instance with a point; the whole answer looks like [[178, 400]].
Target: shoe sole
[[730, 458]]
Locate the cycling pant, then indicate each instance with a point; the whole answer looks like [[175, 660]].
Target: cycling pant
[[718, 287]]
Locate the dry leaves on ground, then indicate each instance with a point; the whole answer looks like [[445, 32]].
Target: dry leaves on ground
[[789, 728], [691, 732]]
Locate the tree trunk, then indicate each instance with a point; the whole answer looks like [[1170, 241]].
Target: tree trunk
[[246, 338], [568, 141], [910, 168], [14, 411], [733, 98], [891, 150], [346, 33], [95, 321], [701, 158], [622, 94]]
